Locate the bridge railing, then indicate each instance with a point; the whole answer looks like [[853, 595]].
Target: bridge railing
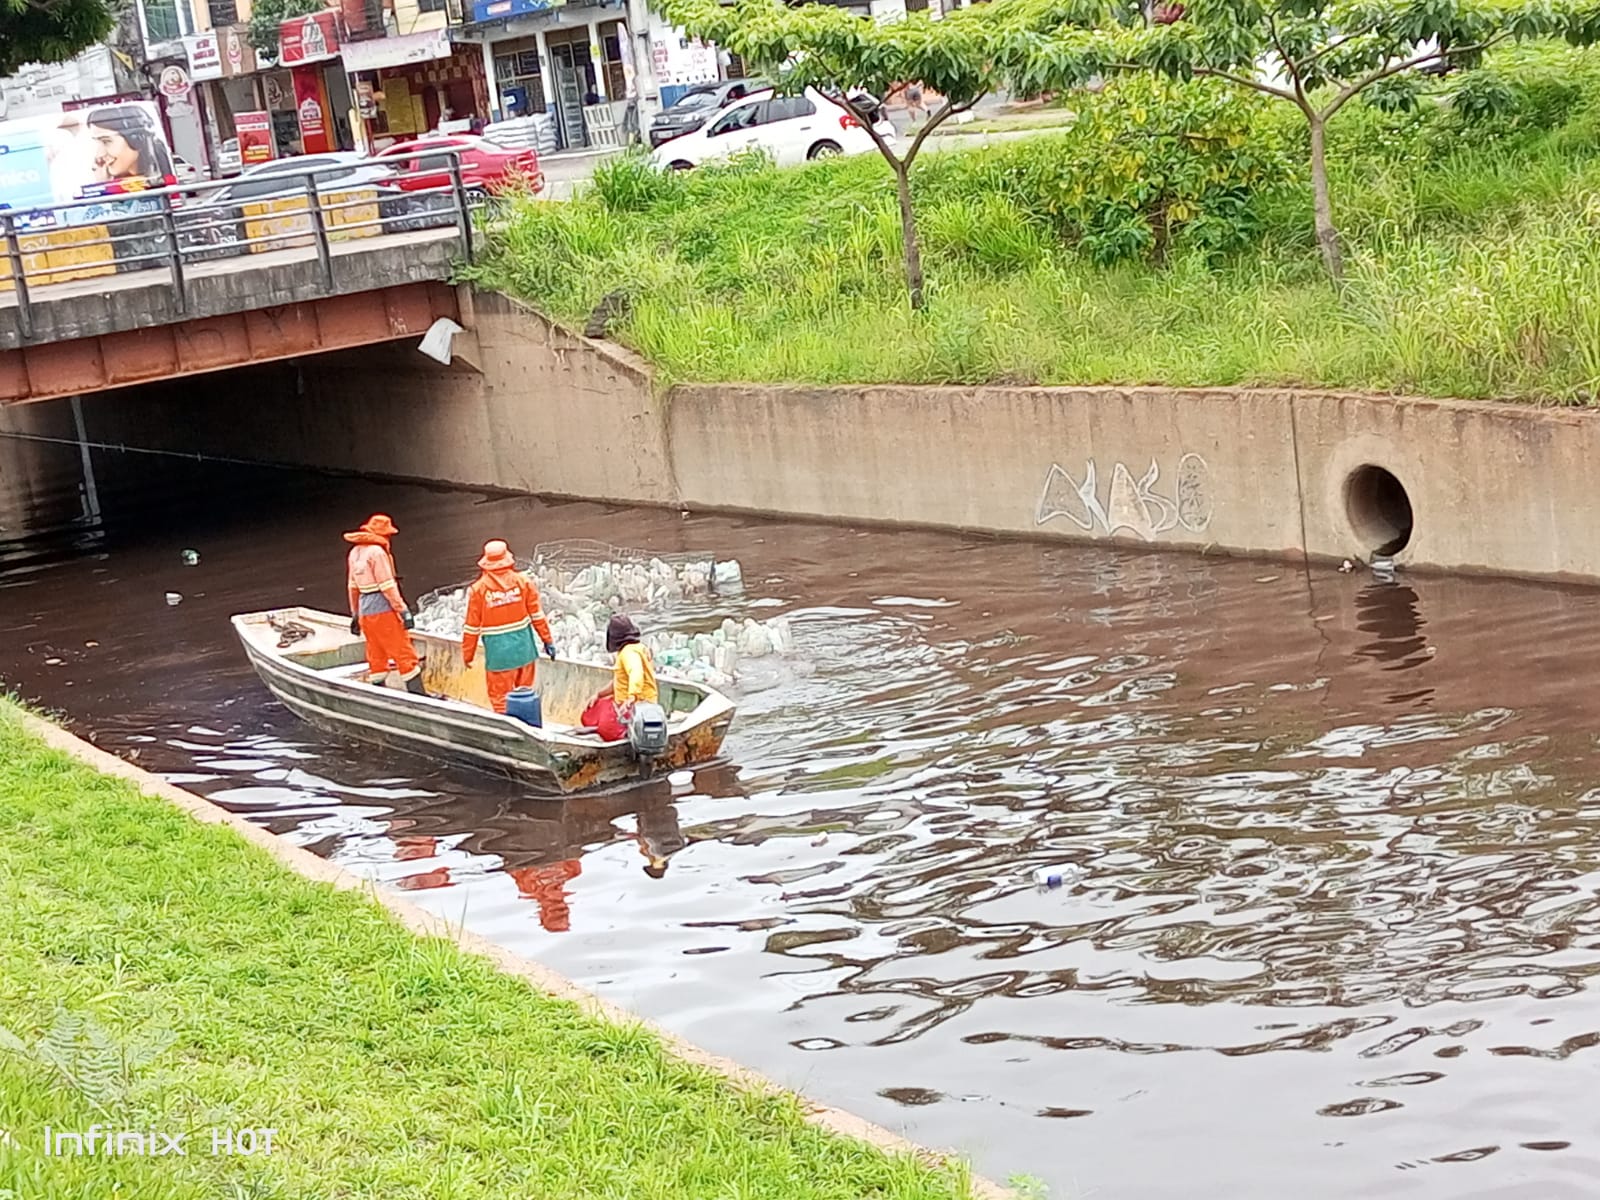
[[172, 229]]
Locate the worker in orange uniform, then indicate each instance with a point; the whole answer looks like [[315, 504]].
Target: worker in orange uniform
[[377, 610], [503, 613]]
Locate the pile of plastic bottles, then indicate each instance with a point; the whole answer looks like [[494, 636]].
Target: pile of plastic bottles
[[579, 602]]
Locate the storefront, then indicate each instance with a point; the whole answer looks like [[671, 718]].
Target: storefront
[[407, 86], [557, 58], [324, 108], [222, 64]]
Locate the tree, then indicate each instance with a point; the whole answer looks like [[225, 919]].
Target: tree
[[962, 58], [50, 31], [1318, 55]]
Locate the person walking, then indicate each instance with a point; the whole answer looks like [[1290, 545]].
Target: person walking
[[503, 614], [378, 612]]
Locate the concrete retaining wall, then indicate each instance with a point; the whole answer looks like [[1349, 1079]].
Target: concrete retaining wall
[[536, 408]]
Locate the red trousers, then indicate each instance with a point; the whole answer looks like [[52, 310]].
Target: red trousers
[[388, 641], [501, 683]]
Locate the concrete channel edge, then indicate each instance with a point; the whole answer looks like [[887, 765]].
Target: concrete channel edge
[[425, 924]]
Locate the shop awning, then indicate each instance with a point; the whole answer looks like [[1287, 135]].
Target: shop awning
[[382, 53]]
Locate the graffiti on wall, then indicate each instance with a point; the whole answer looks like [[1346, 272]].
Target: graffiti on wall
[[1143, 506]]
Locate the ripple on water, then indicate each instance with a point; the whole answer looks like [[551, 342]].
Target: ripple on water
[[1333, 912]]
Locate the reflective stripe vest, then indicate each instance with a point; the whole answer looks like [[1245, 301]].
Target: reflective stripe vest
[[503, 612]]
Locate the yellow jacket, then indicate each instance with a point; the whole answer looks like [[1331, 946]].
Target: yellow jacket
[[635, 677]]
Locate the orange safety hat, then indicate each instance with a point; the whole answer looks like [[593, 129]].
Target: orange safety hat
[[497, 556]]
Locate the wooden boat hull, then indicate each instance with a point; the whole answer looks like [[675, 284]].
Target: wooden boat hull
[[321, 679]]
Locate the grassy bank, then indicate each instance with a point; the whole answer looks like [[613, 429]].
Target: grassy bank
[[162, 975], [1151, 243]]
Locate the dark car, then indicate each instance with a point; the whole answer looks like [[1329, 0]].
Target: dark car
[[697, 106]]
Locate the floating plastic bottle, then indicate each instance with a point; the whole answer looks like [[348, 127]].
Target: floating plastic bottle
[[1054, 877]]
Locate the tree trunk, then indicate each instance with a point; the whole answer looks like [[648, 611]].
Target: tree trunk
[[908, 234], [1327, 232]]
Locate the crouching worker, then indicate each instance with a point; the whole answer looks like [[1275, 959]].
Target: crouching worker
[[503, 613], [377, 610], [634, 682]]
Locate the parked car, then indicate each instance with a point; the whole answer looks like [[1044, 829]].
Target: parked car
[[228, 160], [287, 177], [791, 129], [186, 172], [485, 167], [215, 218], [698, 105]]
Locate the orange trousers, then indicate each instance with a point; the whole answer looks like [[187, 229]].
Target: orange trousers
[[388, 641], [501, 683]]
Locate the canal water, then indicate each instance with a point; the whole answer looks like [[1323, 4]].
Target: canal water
[[1331, 917]]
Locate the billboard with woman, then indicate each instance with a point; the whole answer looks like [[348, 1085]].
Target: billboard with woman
[[107, 153]]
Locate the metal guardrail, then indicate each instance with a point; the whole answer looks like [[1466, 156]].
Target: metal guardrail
[[171, 228]]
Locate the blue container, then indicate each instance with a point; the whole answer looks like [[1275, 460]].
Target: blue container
[[523, 704]]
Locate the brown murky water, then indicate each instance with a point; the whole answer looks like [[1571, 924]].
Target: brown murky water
[[1335, 914]]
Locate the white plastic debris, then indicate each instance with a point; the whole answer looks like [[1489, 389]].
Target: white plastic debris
[[579, 602], [174, 599]]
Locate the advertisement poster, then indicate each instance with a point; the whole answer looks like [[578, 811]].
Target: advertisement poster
[[255, 137], [205, 56], [311, 108], [309, 39], [107, 153]]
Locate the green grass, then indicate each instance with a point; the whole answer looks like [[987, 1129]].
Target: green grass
[[205, 986], [1474, 257]]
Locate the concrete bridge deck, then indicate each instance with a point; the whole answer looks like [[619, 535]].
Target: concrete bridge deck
[[111, 331], [87, 308]]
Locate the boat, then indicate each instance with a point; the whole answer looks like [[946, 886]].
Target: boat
[[313, 663]]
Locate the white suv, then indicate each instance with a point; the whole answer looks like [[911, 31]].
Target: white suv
[[791, 129]]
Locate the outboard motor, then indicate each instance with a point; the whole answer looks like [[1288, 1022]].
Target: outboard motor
[[647, 731]]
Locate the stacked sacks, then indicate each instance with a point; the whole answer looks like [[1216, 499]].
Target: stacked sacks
[[579, 602]]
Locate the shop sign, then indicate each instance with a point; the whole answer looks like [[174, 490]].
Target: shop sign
[[205, 56], [382, 53], [174, 83], [308, 107], [309, 39], [235, 53], [255, 137], [495, 10]]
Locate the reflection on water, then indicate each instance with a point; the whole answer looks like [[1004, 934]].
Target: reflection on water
[[1334, 915]]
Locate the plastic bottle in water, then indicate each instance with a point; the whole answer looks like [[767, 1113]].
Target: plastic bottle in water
[[1054, 877]]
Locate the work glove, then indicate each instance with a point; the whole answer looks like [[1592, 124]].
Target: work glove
[[550, 649], [355, 625], [408, 620]]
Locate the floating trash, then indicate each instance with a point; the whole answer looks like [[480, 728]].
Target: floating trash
[[174, 599], [579, 592], [191, 558], [1054, 877]]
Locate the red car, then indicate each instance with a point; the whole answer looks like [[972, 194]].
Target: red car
[[485, 167]]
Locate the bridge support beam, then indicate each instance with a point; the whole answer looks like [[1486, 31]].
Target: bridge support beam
[[215, 343]]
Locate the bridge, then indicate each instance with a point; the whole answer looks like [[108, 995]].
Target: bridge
[[182, 280]]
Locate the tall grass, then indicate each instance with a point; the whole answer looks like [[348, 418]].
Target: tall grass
[[1474, 262], [391, 1067]]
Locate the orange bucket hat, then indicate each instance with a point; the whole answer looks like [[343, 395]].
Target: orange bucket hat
[[497, 556], [380, 524]]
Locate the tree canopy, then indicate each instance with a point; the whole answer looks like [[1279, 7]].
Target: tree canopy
[[1320, 54], [962, 57], [50, 31]]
